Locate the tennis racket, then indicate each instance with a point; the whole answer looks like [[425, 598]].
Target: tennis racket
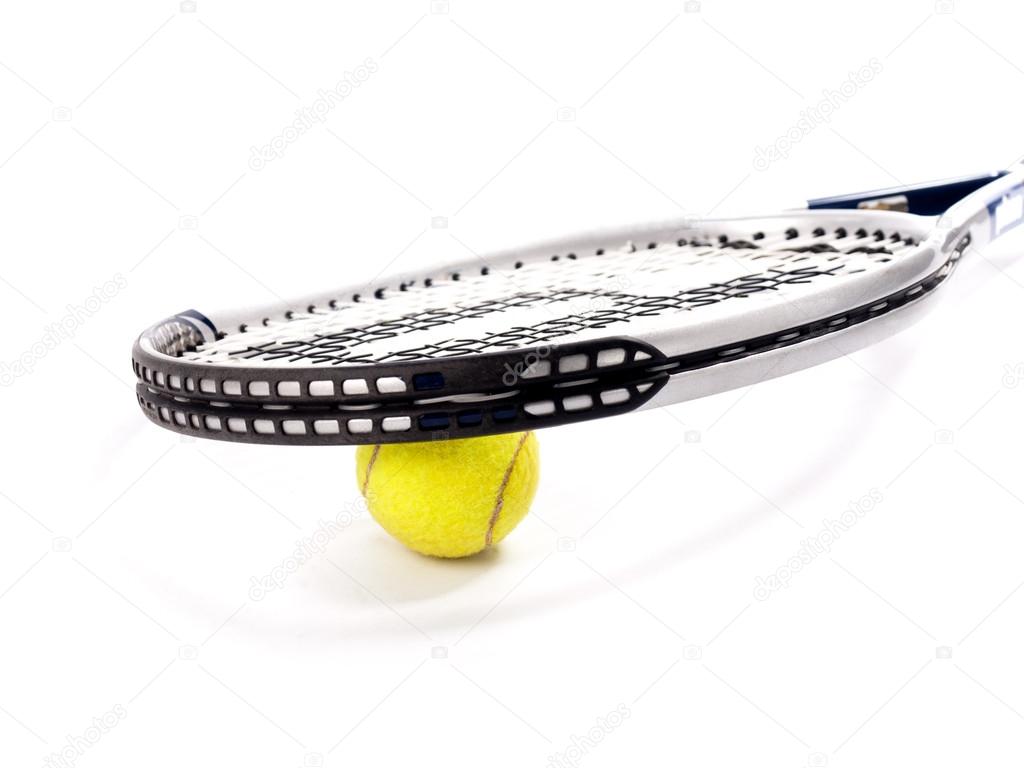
[[574, 329]]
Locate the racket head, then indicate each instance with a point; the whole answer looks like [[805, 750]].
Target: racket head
[[561, 332], [619, 299]]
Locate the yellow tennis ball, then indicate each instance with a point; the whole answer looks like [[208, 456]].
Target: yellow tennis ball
[[450, 498]]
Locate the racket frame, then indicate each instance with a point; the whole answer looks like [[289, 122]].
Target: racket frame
[[436, 395]]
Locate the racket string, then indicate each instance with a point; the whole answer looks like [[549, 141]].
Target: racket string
[[547, 299]]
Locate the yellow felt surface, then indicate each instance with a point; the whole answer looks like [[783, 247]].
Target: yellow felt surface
[[440, 498]]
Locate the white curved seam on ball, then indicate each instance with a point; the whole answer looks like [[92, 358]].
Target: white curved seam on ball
[[501, 491], [369, 468]]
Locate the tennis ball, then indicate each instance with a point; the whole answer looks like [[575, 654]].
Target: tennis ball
[[450, 498]]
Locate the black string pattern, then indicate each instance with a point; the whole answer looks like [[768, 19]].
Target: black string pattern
[[546, 303]]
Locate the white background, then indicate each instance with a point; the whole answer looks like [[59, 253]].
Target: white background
[[127, 553]]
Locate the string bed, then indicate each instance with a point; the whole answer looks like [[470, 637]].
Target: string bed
[[565, 297]]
